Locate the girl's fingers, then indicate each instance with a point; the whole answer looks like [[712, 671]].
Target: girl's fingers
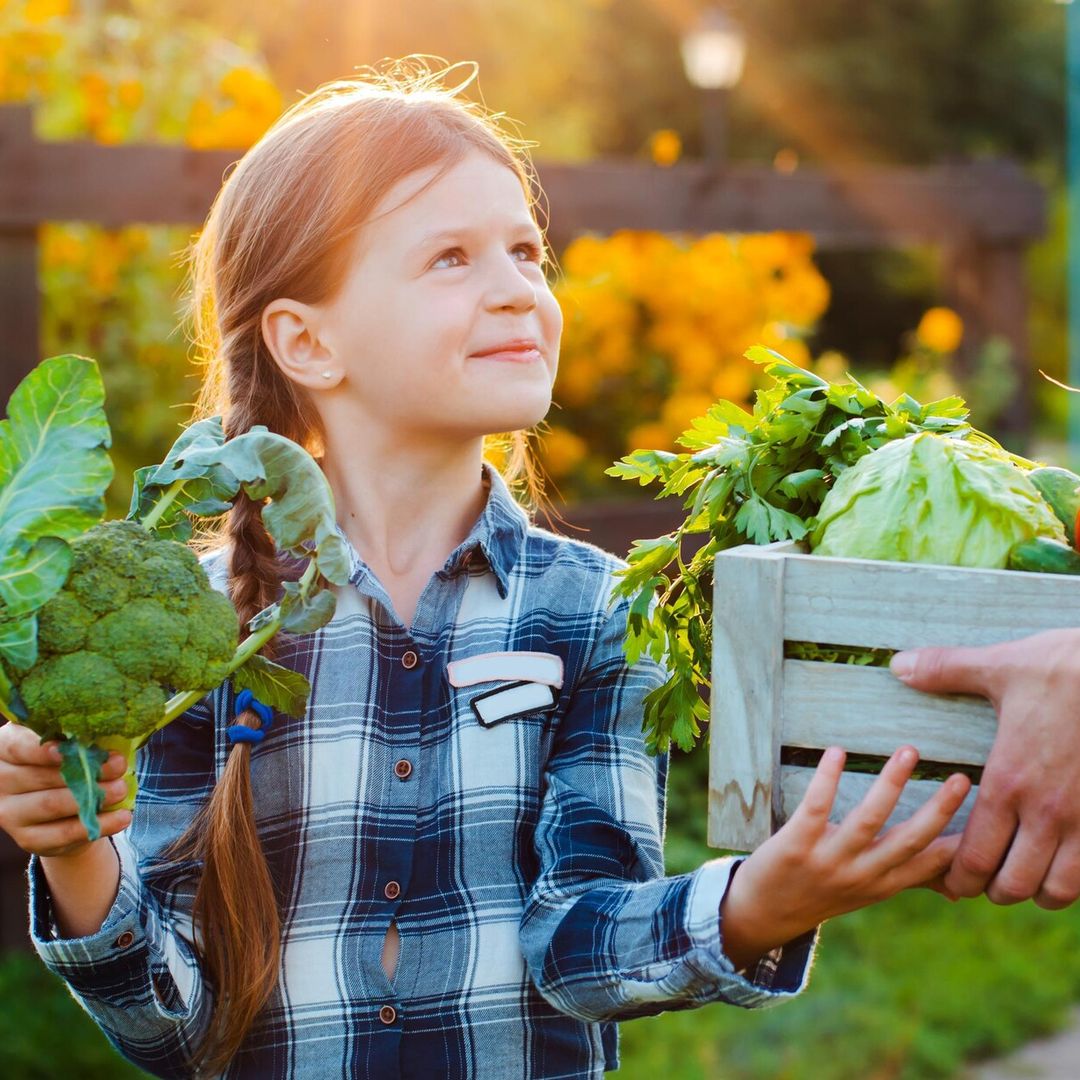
[[19, 779], [46, 807], [861, 826], [817, 803], [20, 746], [904, 842], [927, 868], [58, 837]]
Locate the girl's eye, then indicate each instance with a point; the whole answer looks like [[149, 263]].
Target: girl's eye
[[453, 253], [533, 252]]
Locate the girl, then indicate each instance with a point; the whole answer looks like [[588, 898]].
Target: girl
[[452, 867]]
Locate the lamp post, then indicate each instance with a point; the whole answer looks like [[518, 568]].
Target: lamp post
[[713, 54]]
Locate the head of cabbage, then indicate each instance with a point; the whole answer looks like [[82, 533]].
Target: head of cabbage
[[930, 498]]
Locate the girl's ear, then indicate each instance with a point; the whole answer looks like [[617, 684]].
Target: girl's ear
[[291, 332]]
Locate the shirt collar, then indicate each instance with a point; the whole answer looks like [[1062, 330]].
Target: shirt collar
[[496, 536]]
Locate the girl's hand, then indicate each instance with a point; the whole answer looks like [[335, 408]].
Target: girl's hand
[[36, 809], [811, 870]]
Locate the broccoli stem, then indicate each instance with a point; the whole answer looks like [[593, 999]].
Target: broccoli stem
[[5, 697], [163, 504]]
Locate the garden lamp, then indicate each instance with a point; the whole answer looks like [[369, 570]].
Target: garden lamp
[[713, 53]]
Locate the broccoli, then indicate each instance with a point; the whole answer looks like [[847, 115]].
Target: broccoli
[[99, 621], [136, 618]]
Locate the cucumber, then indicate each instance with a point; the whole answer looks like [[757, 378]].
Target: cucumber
[[1042, 555], [1061, 489]]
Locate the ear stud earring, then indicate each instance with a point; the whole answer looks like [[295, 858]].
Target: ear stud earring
[[327, 374]]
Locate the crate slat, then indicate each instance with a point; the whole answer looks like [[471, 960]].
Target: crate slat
[[794, 780], [869, 711], [748, 659], [862, 602]]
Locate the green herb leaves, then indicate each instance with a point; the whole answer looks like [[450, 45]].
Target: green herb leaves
[[746, 478]]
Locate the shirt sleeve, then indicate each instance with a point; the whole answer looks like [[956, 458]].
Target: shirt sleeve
[[605, 934], [139, 976]]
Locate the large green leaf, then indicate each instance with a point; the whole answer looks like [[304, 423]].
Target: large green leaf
[[54, 469], [206, 489], [273, 685], [301, 511], [80, 766]]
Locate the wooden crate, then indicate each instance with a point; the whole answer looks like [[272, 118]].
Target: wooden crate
[[761, 703]]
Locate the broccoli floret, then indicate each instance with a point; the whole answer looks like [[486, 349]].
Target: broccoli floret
[[136, 617], [62, 624]]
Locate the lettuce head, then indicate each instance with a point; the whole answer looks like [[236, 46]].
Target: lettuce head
[[930, 498]]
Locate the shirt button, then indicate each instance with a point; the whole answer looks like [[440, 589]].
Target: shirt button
[[410, 660], [403, 768], [125, 939], [392, 890], [388, 1014]]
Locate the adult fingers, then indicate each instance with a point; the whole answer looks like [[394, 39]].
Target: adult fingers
[[858, 830], [1061, 886], [987, 836], [1025, 867], [905, 841], [960, 670], [20, 746]]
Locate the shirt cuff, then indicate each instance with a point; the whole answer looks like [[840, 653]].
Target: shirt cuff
[[110, 963], [781, 973]]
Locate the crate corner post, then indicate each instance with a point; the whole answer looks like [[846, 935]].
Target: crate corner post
[[747, 664]]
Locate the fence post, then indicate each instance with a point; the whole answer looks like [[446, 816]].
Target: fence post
[[20, 303]]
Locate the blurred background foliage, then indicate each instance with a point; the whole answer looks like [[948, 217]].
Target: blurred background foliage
[[655, 328]]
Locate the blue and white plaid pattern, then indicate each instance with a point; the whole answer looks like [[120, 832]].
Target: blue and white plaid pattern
[[533, 908]]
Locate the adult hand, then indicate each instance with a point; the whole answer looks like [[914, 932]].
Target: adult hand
[[1022, 840]]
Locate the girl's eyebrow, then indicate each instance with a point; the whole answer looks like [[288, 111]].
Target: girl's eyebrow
[[446, 235]]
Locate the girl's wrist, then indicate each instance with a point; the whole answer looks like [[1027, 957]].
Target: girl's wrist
[[749, 926], [82, 887]]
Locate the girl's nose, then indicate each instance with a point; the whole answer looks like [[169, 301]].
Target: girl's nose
[[510, 287]]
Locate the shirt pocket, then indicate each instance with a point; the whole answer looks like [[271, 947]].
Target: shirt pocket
[[494, 687]]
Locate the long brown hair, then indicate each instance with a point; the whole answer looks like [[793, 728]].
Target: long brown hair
[[282, 225]]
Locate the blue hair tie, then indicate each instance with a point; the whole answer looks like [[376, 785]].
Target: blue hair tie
[[241, 733]]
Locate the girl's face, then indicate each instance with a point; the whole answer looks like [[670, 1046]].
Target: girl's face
[[445, 325]]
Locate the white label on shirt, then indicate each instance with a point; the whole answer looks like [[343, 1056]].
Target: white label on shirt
[[512, 701], [537, 667]]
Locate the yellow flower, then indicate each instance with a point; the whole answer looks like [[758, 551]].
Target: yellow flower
[[665, 147], [37, 12], [130, 93], [576, 381], [695, 362], [61, 246], [252, 90], [679, 409], [832, 365], [563, 451], [649, 436], [940, 329], [733, 382]]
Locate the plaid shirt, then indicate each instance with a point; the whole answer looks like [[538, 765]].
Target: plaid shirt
[[481, 779]]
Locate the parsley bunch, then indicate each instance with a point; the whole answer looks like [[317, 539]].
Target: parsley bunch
[[747, 478]]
